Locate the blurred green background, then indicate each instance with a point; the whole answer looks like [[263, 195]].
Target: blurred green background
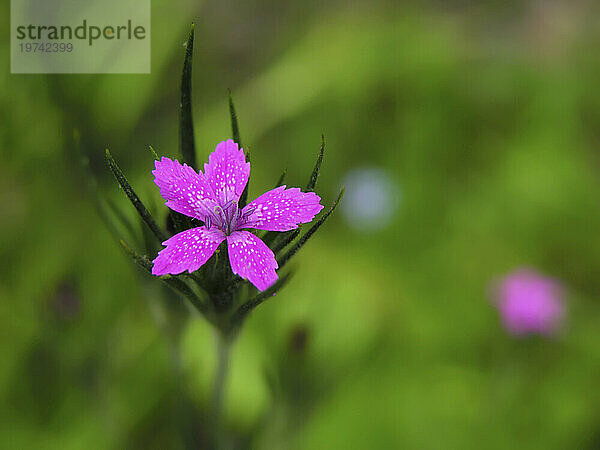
[[485, 119]]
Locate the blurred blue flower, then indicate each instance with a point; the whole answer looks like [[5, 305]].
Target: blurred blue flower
[[371, 198]]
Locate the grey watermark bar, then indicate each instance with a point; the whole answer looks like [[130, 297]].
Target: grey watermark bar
[[83, 36]]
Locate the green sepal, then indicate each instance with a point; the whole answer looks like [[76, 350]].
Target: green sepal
[[291, 252], [187, 146], [134, 199]]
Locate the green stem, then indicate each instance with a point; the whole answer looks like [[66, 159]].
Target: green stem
[[223, 344]]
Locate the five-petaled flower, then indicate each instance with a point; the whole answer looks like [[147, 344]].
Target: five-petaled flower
[[212, 197]]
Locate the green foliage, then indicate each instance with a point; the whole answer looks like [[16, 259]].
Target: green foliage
[[386, 338]]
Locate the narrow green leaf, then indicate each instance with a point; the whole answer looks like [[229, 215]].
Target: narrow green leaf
[[187, 146], [174, 283], [134, 199], [245, 309], [315, 173], [291, 252], [235, 130]]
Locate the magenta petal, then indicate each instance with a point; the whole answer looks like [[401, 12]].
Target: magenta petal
[[227, 171], [185, 190], [281, 209], [251, 259], [188, 250]]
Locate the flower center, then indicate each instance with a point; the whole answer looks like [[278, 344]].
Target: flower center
[[228, 218]]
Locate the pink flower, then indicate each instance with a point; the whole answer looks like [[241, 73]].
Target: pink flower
[[212, 197], [530, 303]]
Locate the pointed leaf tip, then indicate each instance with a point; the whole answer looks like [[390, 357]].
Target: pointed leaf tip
[[312, 182]]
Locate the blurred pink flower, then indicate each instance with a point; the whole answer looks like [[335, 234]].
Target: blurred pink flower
[[530, 303]]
